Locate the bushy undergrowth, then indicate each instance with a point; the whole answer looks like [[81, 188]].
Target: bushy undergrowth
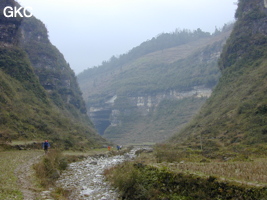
[[137, 181], [49, 168]]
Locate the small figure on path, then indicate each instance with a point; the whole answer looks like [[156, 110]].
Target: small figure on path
[[109, 148], [45, 146], [118, 147]]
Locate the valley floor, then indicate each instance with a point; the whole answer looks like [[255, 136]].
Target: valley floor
[[85, 179]]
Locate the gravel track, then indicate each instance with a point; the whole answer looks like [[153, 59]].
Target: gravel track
[[85, 179]]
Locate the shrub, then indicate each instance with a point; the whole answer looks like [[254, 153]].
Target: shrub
[[50, 167], [137, 181], [61, 193]]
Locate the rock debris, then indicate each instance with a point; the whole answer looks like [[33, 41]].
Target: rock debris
[[86, 181]]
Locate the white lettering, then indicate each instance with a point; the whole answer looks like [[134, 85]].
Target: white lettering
[[14, 12], [25, 12], [17, 12], [8, 13]]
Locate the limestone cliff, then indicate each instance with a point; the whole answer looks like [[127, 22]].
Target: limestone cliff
[[53, 71], [39, 95]]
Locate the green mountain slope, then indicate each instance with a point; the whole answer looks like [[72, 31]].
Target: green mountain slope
[[235, 116], [30, 110], [145, 97]]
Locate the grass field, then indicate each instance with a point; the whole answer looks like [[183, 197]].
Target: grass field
[[10, 162], [245, 172], [249, 171]]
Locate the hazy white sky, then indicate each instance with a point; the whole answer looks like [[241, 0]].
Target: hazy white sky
[[88, 32]]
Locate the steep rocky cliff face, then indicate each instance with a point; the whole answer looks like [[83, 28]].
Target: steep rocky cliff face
[[9, 26], [109, 113], [53, 71], [248, 42], [39, 96]]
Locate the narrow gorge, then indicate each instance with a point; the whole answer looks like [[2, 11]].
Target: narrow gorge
[[150, 93]]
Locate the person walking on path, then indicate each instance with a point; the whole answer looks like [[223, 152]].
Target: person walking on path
[[45, 146], [118, 147]]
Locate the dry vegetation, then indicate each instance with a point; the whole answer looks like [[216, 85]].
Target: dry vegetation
[[11, 162], [180, 175], [243, 167], [246, 172], [24, 174]]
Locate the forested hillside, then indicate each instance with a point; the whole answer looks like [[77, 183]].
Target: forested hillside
[[225, 143], [39, 97], [154, 89], [234, 118]]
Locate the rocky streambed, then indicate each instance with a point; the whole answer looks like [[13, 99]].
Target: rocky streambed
[[86, 181]]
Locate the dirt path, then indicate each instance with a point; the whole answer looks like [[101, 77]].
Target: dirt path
[[26, 178], [25, 174]]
